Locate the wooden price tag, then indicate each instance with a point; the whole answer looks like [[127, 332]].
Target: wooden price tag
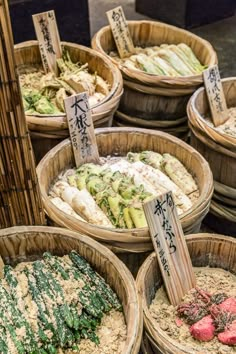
[[215, 95], [81, 129], [120, 31], [170, 246], [49, 40]]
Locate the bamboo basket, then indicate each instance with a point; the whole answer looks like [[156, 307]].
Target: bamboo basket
[[222, 251], [146, 345], [223, 166], [153, 107], [218, 149], [152, 97], [150, 33], [198, 109], [47, 127], [118, 141], [178, 128], [19, 244], [221, 160]]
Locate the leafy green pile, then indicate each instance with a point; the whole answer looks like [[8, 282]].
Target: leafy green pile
[[52, 303]]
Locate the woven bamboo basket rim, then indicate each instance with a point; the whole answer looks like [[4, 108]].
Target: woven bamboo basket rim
[[120, 124], [225, 200], [108, 104], [198, 121], [19, 240], [38, 131], [198, 213], [211, 133], [126, 237], [151, 326], [151, 123], [145, 345], [160, 91], [35, 129], [225, 190], [49, 135], [178, 131], [60, 122], [154, 80], [210, 143], [223, 211], [155, 348]]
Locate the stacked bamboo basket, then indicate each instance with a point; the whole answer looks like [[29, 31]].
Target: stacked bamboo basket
[[48, 130], [131, 245], [150, 101], [219, 149], [22, 244], [222, 251], [20, 200]]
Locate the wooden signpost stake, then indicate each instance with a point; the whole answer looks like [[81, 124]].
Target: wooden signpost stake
[[120, 31], [81, 129], [170, 246], [215, 94], [49, 40]]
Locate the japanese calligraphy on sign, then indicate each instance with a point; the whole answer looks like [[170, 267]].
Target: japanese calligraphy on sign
[[120, 31], [49, 41], [81, 129], [215, 95], [171, 249]]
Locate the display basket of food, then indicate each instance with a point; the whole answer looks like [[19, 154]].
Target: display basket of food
[[200, 117], [62, 292], [80, 69], [160, 76], [173, 67], [204, 322], [218, 146], [105, 201]]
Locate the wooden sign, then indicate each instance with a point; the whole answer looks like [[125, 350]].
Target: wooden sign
[[81, 129], [170, 246], [215, 95], [120, 31], [49, 40]]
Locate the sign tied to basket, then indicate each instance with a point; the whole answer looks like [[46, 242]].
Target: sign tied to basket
[[215, 95], [81, 129], [49, 40], [170, 246], [120, 31]]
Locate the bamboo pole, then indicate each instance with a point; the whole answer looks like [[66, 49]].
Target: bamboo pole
[[20, 199]]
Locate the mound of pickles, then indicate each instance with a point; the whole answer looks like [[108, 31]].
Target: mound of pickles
[[52, 303], [168, 60], [45, 93], [112, 194]]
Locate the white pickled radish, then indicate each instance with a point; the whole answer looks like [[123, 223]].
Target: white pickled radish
[[65, 207], [69, 193], [84, 204]]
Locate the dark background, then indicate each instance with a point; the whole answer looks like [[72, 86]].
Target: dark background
[[187, 13], [72, 19]]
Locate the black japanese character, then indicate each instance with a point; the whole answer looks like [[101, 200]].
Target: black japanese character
[[159, 209], [79, 105], [115, 16]]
